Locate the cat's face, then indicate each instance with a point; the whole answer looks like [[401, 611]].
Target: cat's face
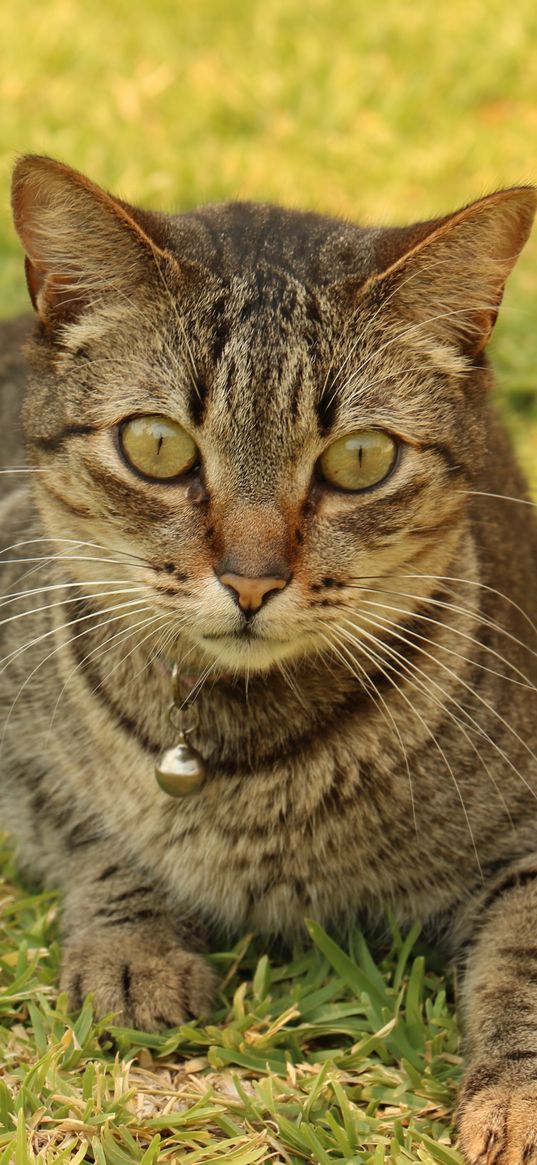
[[268, 457]]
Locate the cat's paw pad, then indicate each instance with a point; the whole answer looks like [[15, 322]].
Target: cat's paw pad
[[498, 1126], [147, 987]]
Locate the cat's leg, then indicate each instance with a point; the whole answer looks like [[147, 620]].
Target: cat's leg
[[123, 942], [498, 1104]]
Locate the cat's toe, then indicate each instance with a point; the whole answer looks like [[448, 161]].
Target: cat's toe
[[145, 987], [482, 1129], [498, 1126]]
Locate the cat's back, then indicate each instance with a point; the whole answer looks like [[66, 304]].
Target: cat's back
[[13, 371], [16, 509]]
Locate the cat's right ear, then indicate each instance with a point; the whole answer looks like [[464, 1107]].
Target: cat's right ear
[[82, 246], [448, 280]]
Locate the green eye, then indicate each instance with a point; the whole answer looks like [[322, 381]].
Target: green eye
[[157, 447], [359, 460]]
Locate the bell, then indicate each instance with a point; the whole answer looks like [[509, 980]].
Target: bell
[[180, 770]]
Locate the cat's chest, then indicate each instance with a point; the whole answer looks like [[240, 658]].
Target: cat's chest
[[306, 835], [319, 835], [325, 831]]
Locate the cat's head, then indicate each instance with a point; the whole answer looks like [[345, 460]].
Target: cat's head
[[262, 417]]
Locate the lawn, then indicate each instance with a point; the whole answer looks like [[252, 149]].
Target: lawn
[[380, 112]]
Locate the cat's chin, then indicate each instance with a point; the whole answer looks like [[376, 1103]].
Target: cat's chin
[[252, 654]]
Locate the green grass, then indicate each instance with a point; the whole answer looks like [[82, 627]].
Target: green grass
[[325, 1058], [382, 112]]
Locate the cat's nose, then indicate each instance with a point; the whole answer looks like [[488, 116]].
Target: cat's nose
[[251, 593]]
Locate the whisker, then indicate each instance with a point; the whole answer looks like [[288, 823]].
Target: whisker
[[69, 541], [291, 684], [399, 336], [384, 710], [191, 364], [196, 689], [412, 329], [430, 601], [421, 685], [45, 660], [472, 692], [35, 569], [479, 493], [110, 645], [103, 649], [427, 680], [368, 327], [483, 586], [171, 623], [4, 663], [375, 658], [75, 558], [132, 590], [523, 682]]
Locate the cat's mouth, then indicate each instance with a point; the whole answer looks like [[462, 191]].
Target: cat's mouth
[[244, 633], [246, 649]]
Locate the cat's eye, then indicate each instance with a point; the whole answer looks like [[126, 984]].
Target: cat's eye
[[157, 447], [359, 460]]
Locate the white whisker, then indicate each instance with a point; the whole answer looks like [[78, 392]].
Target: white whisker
[[522, 682], [381, 665], [483, 586], [384, 710], [69, 541], [132, 590], [4, 663], [456, 608], [51, 654], [427, 680], [479, 493], [423, 685]]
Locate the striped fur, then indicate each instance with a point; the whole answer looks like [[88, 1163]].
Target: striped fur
[[370, 737]]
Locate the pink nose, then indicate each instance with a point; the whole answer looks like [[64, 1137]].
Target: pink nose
[[252, 591]]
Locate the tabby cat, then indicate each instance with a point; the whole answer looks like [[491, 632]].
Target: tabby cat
[[261, 448]]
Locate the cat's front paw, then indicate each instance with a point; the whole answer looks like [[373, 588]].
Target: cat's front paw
[[498, 1125], [148, 986]]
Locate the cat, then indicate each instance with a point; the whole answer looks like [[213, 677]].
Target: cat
[[261, 448]]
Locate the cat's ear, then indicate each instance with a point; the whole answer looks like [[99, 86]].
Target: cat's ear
[[450, 277], [82, 246]]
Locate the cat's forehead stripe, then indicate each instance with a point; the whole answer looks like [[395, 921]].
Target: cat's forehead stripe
[[254, 348]]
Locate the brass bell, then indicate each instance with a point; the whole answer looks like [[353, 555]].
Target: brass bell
[[180, 770]]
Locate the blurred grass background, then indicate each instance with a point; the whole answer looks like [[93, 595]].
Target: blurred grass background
[[381, 112], [385, 112]]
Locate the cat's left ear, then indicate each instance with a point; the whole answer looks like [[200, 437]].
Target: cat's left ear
[[449, 281], [83, 247]]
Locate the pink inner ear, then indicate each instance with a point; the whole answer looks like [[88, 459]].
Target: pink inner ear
[[35, 280], [53, 297]]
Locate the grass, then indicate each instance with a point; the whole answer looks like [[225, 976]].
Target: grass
[[380, 112], [384, 113], [326, 1058]]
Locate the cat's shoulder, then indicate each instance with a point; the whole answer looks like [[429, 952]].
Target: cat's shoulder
[[13, 335]]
